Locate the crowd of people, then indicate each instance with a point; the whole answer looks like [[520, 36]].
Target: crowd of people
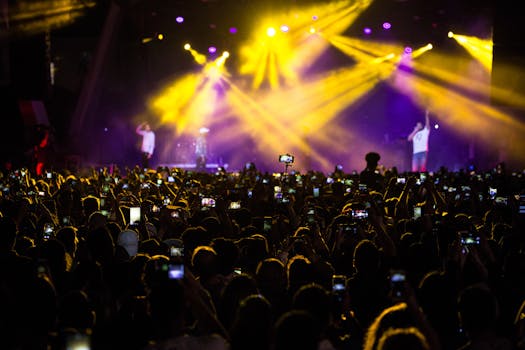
[[177, 259]]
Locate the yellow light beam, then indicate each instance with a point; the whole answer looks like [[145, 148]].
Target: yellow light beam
[[480, 49]]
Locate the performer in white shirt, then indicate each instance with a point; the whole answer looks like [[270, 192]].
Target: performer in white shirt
[[419, 138], [148, 143]]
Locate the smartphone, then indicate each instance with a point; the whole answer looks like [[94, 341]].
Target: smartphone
[[41, 193], [208, 202], [338, 287], [310, 216], [363, 188], [267, 224], [501, 201], [176, 251], [134, 215], [338, 283], [493, 192], [468, 238], [235, 205], [159, 182], [237, 270], [286, 158], [171, 179], [360, 214], [401, 180], [155, 208], [48, 230], [49, 175], [521, 205], [78, 341], [175, 271], [417, 212], [66, 220], [348, 228], [397, 283], [315, 192]]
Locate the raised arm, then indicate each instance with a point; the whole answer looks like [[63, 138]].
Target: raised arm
[[427, 119], [139, 130], [413, 133]]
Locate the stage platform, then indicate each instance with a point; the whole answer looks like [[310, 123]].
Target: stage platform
[[189, 166]]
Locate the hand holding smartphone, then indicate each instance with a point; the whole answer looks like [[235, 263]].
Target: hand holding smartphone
[[134, 215], [397, 284]]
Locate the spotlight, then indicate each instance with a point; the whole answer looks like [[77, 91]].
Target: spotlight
[[271, 32], [450, 34], [284, 28], [367, 30], [387, 25], [233, 30], [179, 19], [187, 47], [436, 126], [160, 36], [225, 54], [212, 49], [408, 50]]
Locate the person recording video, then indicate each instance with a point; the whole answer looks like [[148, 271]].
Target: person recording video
[[148, 143]]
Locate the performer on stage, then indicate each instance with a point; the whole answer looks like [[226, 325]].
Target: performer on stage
[[419, 139], [148, 143], [201, 150]]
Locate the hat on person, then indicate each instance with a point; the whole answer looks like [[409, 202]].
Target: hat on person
[[129, 240]]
